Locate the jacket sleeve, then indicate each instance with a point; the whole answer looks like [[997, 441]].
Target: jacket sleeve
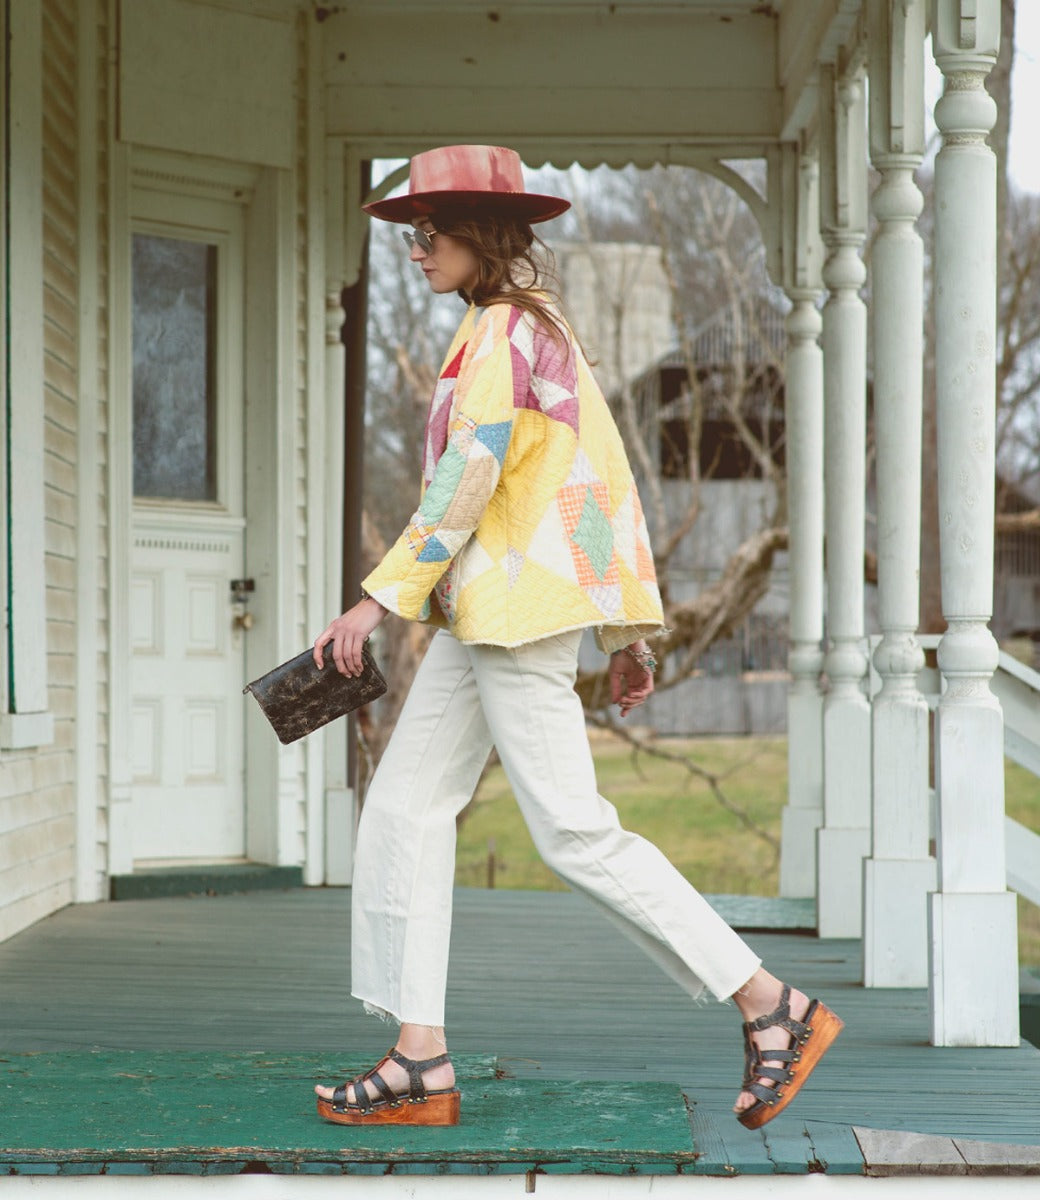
[[466, 475]]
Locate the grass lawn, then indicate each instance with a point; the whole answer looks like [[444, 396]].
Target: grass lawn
[[714, 848]]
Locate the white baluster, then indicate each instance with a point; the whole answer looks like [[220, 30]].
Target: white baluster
[[844, 839], [804, 399], [900, 873], [974, 967]]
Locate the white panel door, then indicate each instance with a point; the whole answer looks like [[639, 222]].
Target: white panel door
[[187, 674], [188, 530]]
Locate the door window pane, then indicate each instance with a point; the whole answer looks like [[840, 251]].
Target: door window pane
[[174, 349]]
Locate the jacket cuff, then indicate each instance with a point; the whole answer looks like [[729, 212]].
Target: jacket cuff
[[616, 637]]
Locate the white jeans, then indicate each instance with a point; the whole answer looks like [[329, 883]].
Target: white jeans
[[522, 700]]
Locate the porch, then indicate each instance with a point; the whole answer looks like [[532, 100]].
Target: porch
[[188, 1032]]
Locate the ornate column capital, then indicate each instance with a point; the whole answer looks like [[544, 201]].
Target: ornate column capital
[[843, 153], [965, 31], [896, 40]]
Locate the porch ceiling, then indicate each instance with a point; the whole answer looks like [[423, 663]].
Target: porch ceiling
[[566, 80]]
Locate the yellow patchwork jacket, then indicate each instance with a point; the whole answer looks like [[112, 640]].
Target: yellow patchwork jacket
[[529, 523]]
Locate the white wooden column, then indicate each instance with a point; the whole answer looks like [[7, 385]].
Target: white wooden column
[[804, 420], [900, 873], [844, 839], [974, 966]]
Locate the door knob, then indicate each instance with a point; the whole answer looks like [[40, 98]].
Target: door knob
[[241, 590]]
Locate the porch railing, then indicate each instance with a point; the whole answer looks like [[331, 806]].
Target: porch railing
[[1017, 687]]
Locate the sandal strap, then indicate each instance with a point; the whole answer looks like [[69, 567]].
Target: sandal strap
[[387, 1092], [777, 1016], [415, 1068], [760, 1092], [362, 1100], [780, 1016]]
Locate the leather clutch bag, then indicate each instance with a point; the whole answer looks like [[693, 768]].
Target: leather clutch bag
[[298, 697]]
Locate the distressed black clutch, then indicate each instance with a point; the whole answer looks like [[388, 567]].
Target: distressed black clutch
[[298, 698]]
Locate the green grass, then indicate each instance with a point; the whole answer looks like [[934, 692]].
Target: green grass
[[1022, 801], [712, 847], [660, 800]]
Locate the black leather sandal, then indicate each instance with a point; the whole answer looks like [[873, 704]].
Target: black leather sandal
[[416, 1106], [810, 1039]]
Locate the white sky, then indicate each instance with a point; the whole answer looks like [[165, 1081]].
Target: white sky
[[1024, 148]]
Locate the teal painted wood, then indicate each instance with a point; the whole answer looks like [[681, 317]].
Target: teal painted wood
[[224, 879], [789, 1149], [746, 1149], [537, 979], [765, 912], [835, 1148], [712, 1155], [182, 1115]]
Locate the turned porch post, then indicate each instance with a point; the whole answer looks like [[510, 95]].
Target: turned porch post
[[974, 960], [900, 873], [844, 839], [804, 420]]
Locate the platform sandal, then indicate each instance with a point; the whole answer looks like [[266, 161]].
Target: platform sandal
[[416, 1106], [810, 1039]]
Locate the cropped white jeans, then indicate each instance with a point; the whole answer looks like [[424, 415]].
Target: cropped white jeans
[[465, 699]]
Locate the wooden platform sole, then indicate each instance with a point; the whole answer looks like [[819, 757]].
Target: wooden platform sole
[[826, 1026], [439, 1108]]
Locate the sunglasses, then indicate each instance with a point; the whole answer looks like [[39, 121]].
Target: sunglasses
[[420, 238]]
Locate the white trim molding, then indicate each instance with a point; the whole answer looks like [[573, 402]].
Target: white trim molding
[[23, 679]]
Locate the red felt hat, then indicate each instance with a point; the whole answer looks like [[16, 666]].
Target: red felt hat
[[487, 178]]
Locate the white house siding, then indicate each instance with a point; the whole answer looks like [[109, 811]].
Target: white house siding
[[37, 785]]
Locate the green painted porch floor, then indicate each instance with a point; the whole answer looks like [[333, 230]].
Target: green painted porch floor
[[226, 1111], [184, 1035]]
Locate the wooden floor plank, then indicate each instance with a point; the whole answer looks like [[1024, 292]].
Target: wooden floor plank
[[835, 1149]]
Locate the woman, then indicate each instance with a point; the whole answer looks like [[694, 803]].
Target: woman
[[529, 531]]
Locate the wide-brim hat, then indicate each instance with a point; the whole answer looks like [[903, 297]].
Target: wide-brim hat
[[488, 178]]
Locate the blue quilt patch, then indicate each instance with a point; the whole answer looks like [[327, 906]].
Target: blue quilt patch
[[496, 437]]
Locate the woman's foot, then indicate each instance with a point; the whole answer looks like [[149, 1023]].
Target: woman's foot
[[435, 1079], [760, 996], [417, 1042], [785, 1034]]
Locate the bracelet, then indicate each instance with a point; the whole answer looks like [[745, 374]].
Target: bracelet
[[645, 658]]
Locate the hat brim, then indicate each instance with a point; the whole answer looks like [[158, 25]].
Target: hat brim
[[530, 206]]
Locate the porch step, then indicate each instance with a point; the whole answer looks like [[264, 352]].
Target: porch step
[[220, 1114], [766, 913], [219, 879]]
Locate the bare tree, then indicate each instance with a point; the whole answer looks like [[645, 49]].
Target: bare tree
[[714, 265]]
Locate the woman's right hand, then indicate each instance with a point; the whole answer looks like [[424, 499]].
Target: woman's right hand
[[347, 635]]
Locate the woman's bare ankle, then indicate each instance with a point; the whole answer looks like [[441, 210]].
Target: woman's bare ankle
[[759, 995], [420, 1042]]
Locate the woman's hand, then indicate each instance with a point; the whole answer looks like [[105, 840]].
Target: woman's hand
[[347, 634], [631, 681]]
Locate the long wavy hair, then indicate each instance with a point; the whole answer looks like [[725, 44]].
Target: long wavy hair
[[514, 265]]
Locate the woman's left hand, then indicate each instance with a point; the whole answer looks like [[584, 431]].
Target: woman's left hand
[[630, 682], [345, 636]]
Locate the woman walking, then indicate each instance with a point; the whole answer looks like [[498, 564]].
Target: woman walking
[[529, 531]]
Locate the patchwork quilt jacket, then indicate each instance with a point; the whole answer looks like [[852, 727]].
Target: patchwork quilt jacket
[[529, 523]]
